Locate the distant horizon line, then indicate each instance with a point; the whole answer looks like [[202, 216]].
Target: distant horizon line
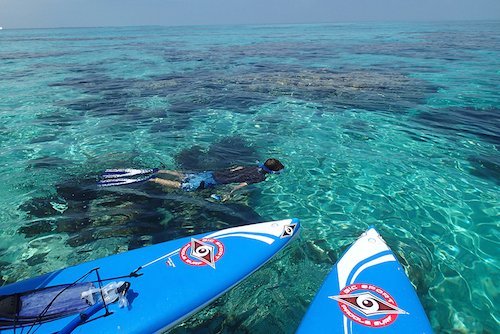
[[254, 24]]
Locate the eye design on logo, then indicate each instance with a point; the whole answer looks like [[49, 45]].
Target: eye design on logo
[[207, 251], [288, 230], [203, 252], [368, 304]]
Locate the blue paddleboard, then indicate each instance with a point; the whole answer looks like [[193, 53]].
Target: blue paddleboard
[[146, 290], [367, 291]]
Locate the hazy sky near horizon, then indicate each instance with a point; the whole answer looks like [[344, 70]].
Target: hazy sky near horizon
[[103, 13]]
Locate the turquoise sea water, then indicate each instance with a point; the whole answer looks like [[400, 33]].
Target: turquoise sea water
[[390, 125]]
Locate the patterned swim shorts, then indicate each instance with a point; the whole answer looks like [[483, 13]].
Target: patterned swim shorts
[[196, 181]]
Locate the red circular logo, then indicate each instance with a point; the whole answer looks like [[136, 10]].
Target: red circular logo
[[202, 252], [368, 305]]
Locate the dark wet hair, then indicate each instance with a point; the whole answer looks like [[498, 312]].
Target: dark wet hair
[[274, 164]]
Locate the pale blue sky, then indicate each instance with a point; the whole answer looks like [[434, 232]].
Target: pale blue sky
[[98, 13]]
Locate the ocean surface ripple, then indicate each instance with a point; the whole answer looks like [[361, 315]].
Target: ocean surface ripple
[[391, 125]]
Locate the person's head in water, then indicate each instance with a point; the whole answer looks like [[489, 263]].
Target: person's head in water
[[273, 166]]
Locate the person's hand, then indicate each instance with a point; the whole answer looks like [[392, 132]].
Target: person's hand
[[226, 197]]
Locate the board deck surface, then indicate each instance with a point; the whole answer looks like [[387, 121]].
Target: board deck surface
[[367, 291], [170, 281]]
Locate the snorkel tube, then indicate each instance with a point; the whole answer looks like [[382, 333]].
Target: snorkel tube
[[261, 165]]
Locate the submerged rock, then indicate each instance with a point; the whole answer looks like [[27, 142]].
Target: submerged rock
[[226, 153], [486, 167], [49, 162], [481, 122]]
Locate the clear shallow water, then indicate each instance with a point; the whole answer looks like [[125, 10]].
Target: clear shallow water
[[390, 125]]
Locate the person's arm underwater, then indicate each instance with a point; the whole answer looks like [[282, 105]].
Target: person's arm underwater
[[239, 186]]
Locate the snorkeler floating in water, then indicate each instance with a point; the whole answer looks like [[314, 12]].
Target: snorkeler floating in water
[[243, 176]]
